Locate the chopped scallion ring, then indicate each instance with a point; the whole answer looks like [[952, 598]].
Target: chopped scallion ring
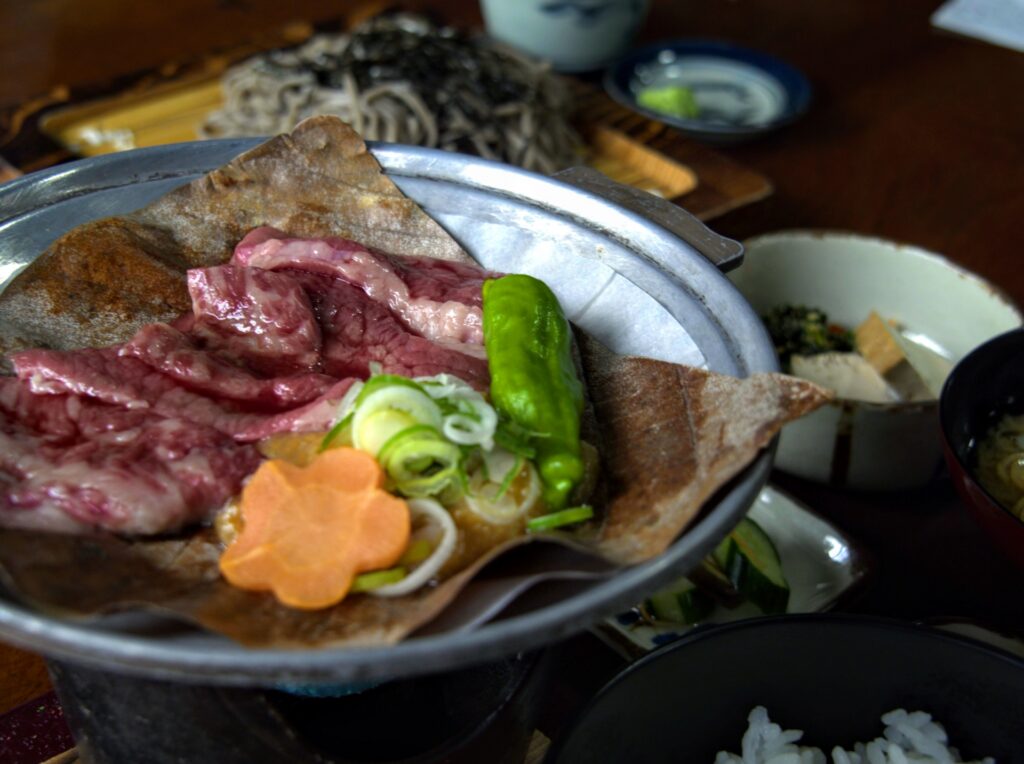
[[419, 432], [417, 552], [432, 512], [367, 582], [380, 381], [558, 519], [344, 414], [422, 466], [333, 433]]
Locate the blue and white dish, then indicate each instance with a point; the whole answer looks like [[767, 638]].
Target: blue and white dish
[[822, 565], [740, 93]]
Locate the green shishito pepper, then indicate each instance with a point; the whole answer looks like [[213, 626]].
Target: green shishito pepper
[[533, 377]]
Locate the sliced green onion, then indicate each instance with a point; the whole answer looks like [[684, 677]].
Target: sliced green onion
[[501, 466], [348, 400], [558, 519], [415, 432], [429, 511], [443, 385], [370, 433], [469, 419], [408, 399], [473, 421], [431, 485], [413, 458], [418, 551], [367, 582], [445, 404], [334, 433], [421, 467], [510, 476], [496, 503], [345, 414], [380, 381]]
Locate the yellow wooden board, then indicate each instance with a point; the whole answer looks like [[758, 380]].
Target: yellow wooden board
[[169, 113], [173, 112]]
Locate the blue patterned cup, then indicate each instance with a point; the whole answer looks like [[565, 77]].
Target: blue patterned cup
[[574, 35]]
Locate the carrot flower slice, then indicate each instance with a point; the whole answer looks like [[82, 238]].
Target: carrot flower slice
[[308, 531]]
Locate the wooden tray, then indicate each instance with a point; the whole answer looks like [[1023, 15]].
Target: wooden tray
[[722, 184], [169, 113], [172, 113], [159, 108]]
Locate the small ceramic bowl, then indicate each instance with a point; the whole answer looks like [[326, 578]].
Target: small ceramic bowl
[[874, 446], [832, 676], [739, 93], [986, 384], [574, 35]]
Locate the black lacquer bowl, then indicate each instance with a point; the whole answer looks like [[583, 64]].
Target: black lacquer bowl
[[984, 386], [832, 676]]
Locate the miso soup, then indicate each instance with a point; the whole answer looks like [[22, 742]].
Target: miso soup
[[1001, 462]]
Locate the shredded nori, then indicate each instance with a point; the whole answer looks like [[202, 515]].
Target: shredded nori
[[443, 63], [464, 83]]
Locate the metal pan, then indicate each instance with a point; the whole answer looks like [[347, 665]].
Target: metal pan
[[624, 278]]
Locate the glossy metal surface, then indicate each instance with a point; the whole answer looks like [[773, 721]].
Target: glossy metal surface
[[725, 254], [623, 278]]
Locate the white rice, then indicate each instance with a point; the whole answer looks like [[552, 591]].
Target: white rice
[[909, 738]]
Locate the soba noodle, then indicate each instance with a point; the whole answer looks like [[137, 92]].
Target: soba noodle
[[1001, 463], [400, 79]]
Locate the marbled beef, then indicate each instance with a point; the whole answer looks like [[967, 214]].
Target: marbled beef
[[436, 299], [153, 435], [358, 330], [184, 358], [110, 376], [72, 464], [256, 317]]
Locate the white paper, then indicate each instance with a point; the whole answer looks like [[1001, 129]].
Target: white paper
[[996, 21]]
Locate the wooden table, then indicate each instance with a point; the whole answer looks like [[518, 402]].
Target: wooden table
[[913, 134]]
